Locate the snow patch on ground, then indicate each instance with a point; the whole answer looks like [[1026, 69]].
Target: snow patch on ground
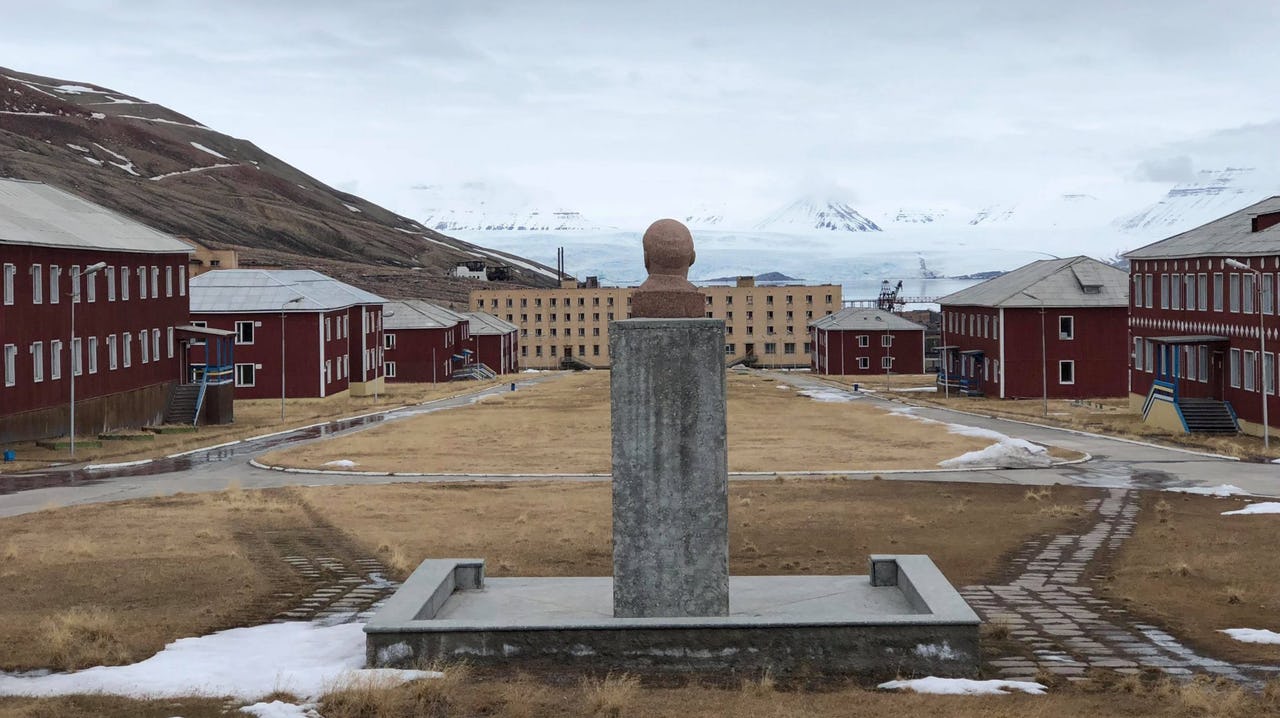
[[77, 148], [1221, 490], [202, 148], [280, 709], [964, 686], [93, 161], [344, 463], [1263, 507], [74, 89], [192, 170], [827, 395], [125, 163], [304, 659], [1005, 454], [1253, 635]]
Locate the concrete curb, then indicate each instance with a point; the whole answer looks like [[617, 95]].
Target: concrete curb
[[118, 465]]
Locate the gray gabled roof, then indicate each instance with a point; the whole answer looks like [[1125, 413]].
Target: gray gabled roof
[[1070, 282], [865, 319], [483, 323], [35, 213], [270, 290], [1229, 236], [417, 314]]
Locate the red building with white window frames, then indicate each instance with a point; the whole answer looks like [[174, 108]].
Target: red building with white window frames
[[422, 341], [124, 356], [866, 341], [1050, 328], [1199, 302], [493, 342], [332, 331]]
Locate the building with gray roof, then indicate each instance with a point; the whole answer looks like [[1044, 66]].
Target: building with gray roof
[[494, 342], [424, 342], [866, 341], [1054, 328]]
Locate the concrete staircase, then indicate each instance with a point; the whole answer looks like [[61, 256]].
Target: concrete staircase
[[474, 371], [1207, 416], [182, 404]]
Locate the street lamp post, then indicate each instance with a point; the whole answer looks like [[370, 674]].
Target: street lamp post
[[295, 300], [1262, 345], [944, 356], [1044, 361], [75, 296]]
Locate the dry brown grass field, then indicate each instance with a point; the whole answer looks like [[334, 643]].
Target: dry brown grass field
[[563, 427], [1112, 417], [1189, 567], [253, 417]]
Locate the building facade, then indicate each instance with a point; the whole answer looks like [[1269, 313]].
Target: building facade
[[1050, 329], [296, 331], [1203, 304], [124, 356], [866, 342], [493, 342], [423, 341], [767, 323]]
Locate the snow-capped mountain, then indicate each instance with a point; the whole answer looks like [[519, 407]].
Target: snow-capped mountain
[[1212, 194], [814, 213], [705, 216], [491, 207], [916, 216], [1065, 210]]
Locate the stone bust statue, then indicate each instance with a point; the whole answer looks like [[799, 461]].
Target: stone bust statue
[[667, 293]]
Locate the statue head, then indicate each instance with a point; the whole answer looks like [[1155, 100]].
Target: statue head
[[668, 249]]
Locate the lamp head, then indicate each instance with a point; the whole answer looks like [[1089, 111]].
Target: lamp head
[[1237, 264], [98, 267]]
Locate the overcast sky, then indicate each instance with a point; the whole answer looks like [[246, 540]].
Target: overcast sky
[[641, 108]]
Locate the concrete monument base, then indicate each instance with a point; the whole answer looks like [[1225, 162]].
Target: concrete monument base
[[905, 618]]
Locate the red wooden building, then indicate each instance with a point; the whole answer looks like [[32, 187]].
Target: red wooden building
[[1051, 328], [123, 356], [866, 341], [423, 341], [493, 342], [329, 333], [1203, 305]]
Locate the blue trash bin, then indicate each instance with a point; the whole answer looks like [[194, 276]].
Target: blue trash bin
[[9, 455], [513, 386]]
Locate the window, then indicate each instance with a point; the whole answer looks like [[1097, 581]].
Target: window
[[155, 282], [1248, 293], [390, 368], [111, 352], [886, 340], [55, 359], [182, 281], [1066, 327], [142, 282], [10, 271], [1136, 292], [1234, 300], [1066, 372], [155, 344], [37, 284], [595, 350], [864, 362], [864, 340], [886, 363], [388, 341], [37, 361], [124, 284], [1268, 294], [1164, 291], [244, 334], [1269, 373], [10, 364], [93, 355], [1149, 279], [1175, 291], [537, 351], [1137, 353], [770, 348], [55, 279], [1250, 371], [127, 351], [1149, 359], [76, 368], [728, 348], [74, 277], [1234, 368], [1217, 291], [143, 348], [789, 348], [1204, 363], [246, 374], [1190, 281], [91, 286]]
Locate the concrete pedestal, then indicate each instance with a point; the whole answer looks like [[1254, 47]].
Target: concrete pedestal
[[670, 469]]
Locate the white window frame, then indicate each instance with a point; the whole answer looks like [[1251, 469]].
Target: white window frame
[[1203, 351], [1062, 364], [1070, 334], [886, 363], [203, 325], [168, 281], [864, 362], [1164, 291], [171, 342], [55, 282], [391, 367], [1137, 353], [1249, 370], [864, 340], [1218, 292], [155, 282], [142, 282], [182, 281], [10, 274], [112, 352], [91, 287], [240, 335], [1269, 372], [144, 347], [1248, 288], [93, 355], [1202, 297], [389, 340], [126, 353], [55, 359], [37, 362], [155, 345], [10, 364], [77, 367], [73, 277], [1175, 291], [1234, 297], [1233, 368], [253, 374], [111, 284], [37, 284], [124, 284], [1151, 293], [886, 340]]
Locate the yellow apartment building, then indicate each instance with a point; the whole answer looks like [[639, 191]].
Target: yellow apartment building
[[769, 323]]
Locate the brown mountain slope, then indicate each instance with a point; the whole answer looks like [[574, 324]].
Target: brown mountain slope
[[171, 172]]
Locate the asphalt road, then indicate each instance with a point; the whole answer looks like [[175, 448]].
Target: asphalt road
[[1116, 463]]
